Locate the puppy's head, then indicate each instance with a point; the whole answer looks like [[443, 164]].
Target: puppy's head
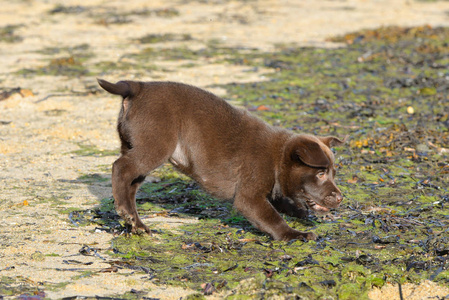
[[308, 171]]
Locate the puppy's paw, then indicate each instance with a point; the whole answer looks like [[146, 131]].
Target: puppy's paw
[[298, 235], [140, 228], [134, 225], [310, 236]]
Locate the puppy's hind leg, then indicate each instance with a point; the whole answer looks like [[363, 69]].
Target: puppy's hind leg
[[128, 173]]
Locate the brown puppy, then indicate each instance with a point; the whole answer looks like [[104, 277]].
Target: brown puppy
[[229, 152]]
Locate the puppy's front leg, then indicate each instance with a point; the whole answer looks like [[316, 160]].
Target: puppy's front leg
[[259, 211]]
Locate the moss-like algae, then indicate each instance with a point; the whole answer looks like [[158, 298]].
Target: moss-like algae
[[92, 150]]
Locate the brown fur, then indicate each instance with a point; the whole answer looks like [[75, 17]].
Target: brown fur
[[229, 152]]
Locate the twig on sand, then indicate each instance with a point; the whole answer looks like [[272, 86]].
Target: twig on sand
[[73, 93], [400, 291]]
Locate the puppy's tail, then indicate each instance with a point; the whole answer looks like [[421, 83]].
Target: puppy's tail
[[122, 88]]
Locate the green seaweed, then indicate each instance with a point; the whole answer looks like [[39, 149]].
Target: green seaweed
[[71, 62], [92, 150], [7, 34], [157, 38]]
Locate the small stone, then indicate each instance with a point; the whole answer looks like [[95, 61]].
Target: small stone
[[38, 256], [422, 148]]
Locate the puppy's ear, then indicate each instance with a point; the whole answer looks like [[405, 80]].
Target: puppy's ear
[[311, 153], [332, 141], [121, 88]]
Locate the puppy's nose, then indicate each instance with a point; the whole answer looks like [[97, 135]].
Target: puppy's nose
[[338, 197]]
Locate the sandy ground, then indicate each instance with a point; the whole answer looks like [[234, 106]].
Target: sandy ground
[[39, 173]]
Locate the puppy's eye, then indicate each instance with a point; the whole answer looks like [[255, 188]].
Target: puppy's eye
[[321, 175]]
